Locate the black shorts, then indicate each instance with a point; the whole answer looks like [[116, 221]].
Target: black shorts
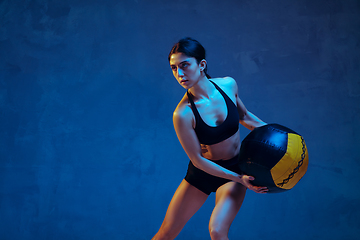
[[208, 183]]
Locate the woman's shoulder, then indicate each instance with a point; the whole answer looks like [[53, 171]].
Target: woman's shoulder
[[183, 109], [226, 83]]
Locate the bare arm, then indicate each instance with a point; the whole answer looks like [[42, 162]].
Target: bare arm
[[189, 141], [250, 121], [247, 119], [183, 124]]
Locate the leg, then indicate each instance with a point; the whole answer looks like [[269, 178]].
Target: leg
[[184, 204], [229, 198]]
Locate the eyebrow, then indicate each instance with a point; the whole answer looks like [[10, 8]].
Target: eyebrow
[[187, 60]]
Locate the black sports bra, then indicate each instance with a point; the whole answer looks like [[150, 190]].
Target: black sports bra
[[209, 135]]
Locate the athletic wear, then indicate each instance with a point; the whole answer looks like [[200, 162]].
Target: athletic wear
[[208, 183], [209, 135]]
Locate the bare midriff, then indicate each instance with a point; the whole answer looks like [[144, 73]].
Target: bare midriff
[[224, 150]]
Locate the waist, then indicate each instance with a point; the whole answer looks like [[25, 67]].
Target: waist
[[223, 150], [229, 162]]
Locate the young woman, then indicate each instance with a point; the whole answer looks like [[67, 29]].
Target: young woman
[[206, 122]]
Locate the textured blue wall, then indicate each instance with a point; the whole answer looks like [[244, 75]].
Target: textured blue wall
[[87, 146]]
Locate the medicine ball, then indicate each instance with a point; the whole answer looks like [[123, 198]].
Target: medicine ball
[[275, 156]]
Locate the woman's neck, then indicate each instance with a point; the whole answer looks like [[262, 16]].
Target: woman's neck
[[202, 89]]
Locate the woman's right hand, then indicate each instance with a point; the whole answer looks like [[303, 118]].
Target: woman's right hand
[[245, 180]]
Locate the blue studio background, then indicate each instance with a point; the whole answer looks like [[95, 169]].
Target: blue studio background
[[87, 146]]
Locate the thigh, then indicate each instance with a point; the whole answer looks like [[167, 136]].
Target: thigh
[[229, 199], [185, 203]]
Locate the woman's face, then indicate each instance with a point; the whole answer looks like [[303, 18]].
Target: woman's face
[[186, 70]]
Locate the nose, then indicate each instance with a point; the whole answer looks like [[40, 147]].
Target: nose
[[180, 72]]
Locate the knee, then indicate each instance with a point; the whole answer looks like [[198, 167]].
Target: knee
[[218, 234]]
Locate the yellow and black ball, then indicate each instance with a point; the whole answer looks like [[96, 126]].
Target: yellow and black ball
[[275, 156]]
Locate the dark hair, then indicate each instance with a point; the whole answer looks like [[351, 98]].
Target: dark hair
[[192, 48]]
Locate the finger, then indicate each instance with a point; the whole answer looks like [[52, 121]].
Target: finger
[[261, 190]]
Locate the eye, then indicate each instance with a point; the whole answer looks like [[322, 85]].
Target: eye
[[184, 65], [173, 68]]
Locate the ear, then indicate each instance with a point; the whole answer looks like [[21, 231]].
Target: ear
[[202, 64]]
